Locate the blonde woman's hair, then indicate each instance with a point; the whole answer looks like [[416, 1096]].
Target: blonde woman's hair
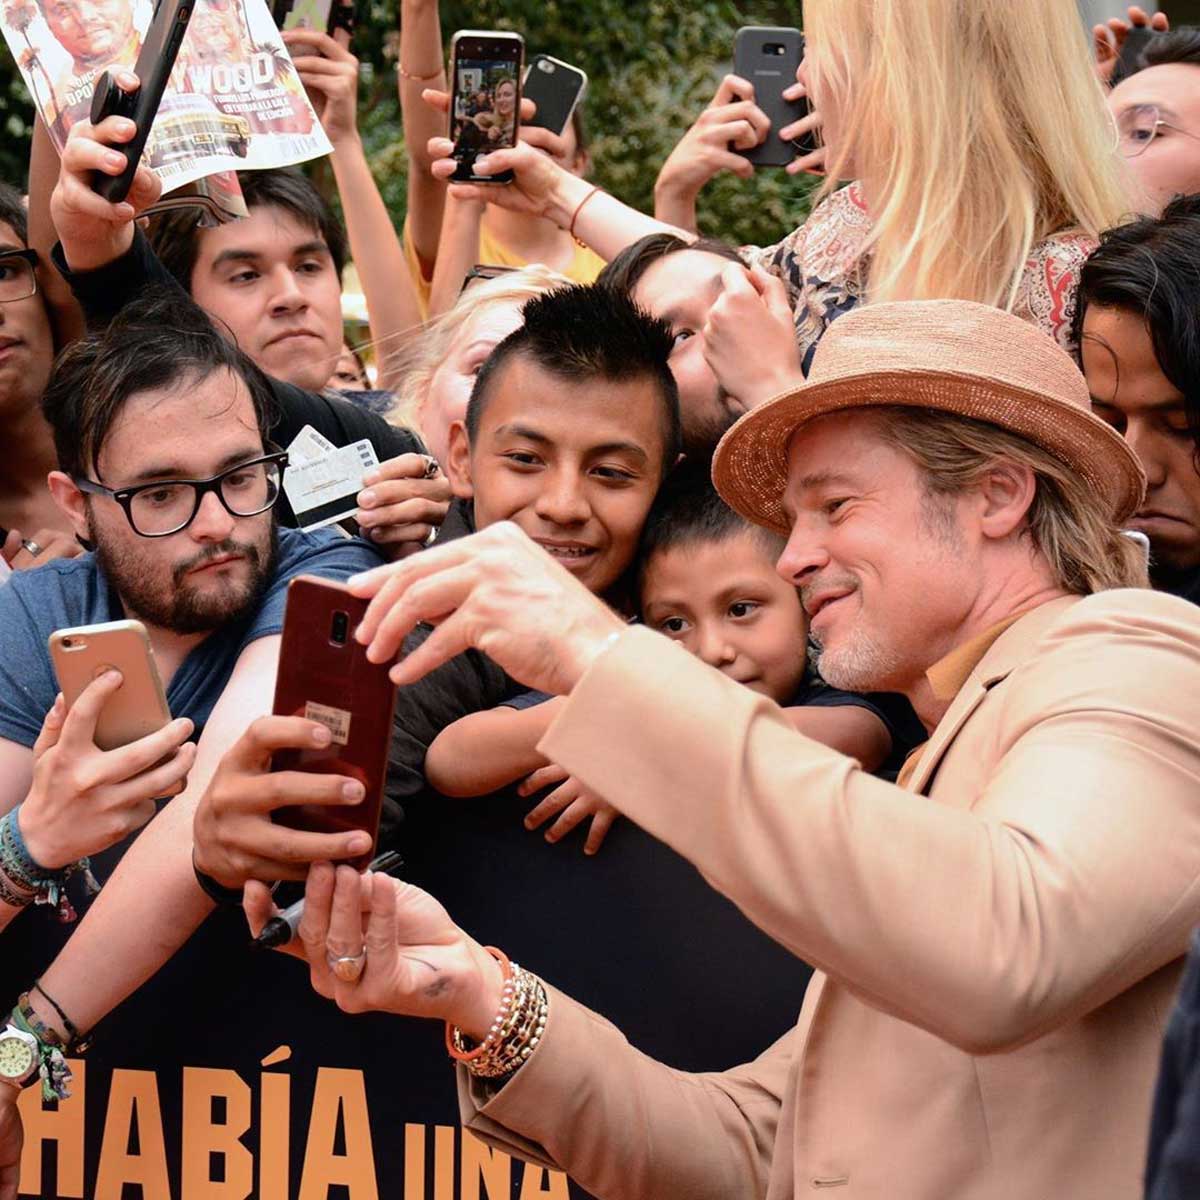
[[979, 127], [1066, 523], [426, 347]]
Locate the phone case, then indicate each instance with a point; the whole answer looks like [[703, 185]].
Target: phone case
[[556, 88], [767, 56], [476, 55], [324, 675], [139, 706], [155, 61]]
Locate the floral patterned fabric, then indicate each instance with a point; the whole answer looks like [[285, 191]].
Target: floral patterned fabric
[[822, 265]]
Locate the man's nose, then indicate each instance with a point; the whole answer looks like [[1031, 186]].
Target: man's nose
[[286, 293], [562, 500], [213, 522], [804, 554]]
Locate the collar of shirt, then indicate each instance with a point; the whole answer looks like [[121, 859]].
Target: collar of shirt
[[947, 675]]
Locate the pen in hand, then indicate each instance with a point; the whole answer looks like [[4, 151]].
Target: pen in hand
[[280, 930]]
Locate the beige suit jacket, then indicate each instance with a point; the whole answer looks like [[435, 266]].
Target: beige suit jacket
[[997, 957]]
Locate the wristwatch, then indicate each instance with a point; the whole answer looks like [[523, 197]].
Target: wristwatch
[[18, 1056]]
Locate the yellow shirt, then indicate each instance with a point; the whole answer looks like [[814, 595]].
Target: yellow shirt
[[585, 264]]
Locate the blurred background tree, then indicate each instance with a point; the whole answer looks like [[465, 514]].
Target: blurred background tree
[[652, 65]]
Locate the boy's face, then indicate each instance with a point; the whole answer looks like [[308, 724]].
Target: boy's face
[[272, 281], [575, 464], [725, 603]]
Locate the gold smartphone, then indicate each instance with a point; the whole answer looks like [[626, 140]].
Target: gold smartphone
[[139, 705]]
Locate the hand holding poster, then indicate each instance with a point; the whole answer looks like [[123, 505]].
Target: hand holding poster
[[234, 100]]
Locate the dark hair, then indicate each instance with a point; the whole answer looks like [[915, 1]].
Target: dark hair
[[12, 212], [688, 511], [624, 271], [1151, 267], [176, 236], [1180, 45], [588, 332], [158, 339]]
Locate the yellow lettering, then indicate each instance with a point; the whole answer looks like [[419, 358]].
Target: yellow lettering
[[494, 1167], [202, 1138], [443, 1162], [339, 1091], [534, 1177], [133, 1096], [273, 1171], [63, 1126], [414, 1162]]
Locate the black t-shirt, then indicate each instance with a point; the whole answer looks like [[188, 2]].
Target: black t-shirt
[[102, 294]]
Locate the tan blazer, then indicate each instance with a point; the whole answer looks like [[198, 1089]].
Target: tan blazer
[[996, 962]]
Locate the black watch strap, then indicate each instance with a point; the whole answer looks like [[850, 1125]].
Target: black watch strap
[[217, 892]]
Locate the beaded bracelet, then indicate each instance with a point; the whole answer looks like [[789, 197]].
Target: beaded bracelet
[[52, 1066], [12, 893], [23, 871], [516, 1030]]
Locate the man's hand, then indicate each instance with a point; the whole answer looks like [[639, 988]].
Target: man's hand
[[94, 232], [12, 1137], [329, 73], [50, 543], [419, 963], [235, 838], [731, 121], [402, 503], [1110, 38], [82, 799], [496, 591], [573, 801], [750, 336]]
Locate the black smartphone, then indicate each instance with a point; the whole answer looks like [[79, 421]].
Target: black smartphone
[[767, 56], [155, 62], [556, 88], [485, 100]]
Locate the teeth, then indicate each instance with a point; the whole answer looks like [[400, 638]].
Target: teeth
[[567, 551]]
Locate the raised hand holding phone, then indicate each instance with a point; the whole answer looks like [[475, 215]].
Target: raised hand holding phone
[[485, 99]]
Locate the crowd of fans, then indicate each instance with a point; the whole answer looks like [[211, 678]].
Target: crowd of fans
[[915, 490]]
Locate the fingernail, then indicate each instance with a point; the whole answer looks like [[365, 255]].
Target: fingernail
[[366, 499], [125, 212], [359, 843], [114, 158], [352, 792], [127, 79], [529, 823], [124, 125], [321, 736], [371, 477]]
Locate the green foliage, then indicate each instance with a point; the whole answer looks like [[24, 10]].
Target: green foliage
[[653, 65]]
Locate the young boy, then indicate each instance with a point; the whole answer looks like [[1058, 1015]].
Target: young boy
[[706, 578]]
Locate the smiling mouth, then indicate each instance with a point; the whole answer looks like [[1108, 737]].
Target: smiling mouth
[[568, 554]]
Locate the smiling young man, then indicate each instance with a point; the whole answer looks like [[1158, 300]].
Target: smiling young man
[[1136, 321]]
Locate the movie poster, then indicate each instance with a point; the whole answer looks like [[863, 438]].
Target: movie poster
[[234, 100]]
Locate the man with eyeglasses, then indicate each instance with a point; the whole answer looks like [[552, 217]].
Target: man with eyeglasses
[[33, 530], [164, 470], [1157, 111]]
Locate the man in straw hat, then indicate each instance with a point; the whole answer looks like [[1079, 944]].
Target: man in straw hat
[[998, 937]]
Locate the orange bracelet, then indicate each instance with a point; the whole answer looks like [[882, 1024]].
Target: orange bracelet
[[506, 998], [579, 208]]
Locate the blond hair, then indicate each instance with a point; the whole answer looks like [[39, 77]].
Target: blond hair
[[427, 346], [1066, 522], [979, 128]]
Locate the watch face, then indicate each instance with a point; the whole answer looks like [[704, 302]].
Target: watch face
[[16, 1058]]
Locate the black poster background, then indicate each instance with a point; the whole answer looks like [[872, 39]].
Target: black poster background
[[634, 932]]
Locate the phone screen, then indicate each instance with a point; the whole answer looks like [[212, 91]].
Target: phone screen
[[487, 96]]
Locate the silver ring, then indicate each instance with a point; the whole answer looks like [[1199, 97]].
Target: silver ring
[[432, 467], [30, 545], [347, 967]]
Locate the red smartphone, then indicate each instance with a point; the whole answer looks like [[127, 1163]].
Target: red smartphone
[[324, 675]]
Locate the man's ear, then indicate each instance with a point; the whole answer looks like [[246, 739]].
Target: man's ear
[[1006, 495], [71, 501], [458, 468]]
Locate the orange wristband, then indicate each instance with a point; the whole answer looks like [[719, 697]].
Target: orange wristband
[[579, 208], [506, 999]]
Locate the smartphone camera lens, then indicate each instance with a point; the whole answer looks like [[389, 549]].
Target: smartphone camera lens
[[339, 630]]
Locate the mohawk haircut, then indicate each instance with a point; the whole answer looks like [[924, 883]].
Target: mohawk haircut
[[688, 511], [588, 332]]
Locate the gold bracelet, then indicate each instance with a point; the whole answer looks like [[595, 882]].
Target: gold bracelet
[[513, 1036]]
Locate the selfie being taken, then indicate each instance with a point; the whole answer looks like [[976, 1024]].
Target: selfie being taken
[[597, 604]]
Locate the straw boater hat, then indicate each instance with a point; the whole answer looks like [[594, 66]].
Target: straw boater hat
[[950, 355]]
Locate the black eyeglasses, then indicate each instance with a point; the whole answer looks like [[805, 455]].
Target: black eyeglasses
[[169, 505], [18, 278]]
